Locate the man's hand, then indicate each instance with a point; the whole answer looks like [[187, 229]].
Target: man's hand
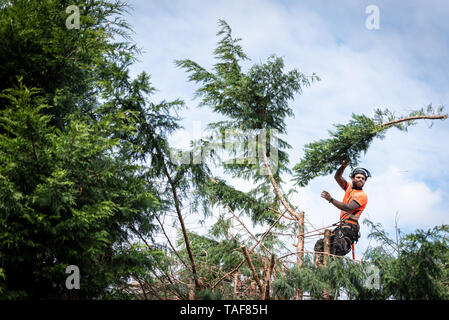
[[340, 205], [326, 195]]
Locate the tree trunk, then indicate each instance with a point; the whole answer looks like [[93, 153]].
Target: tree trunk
[[251, 266], [300, 250], [236, 285], [184, 230], [268, 271], [327, 247]]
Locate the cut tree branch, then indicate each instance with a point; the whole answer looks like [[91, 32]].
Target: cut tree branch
[[392, 123], [269, 271], [251, 266], [252, 249]]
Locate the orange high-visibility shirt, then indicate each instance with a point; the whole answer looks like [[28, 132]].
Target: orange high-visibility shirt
[[357, 195]]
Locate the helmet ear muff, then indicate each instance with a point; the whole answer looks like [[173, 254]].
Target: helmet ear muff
[[363, 171]]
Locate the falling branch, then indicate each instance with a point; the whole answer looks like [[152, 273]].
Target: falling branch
[[392, 123]]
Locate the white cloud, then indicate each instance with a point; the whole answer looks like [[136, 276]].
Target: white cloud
[[394, 191]]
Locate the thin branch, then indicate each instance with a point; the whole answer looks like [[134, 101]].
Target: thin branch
[[313, 252], [385, 238], [250, 233], [278, 192], [251, 266], [247, 230], [275, 211], [163, 272], [284, 234], [252, 249], [141, 287], [154, 291], [392, 123], [175, 289], [171, 245], [228, 233]]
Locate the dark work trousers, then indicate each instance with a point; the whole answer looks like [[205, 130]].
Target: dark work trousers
[[341, 240]]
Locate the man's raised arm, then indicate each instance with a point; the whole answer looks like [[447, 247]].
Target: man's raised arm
[[338, 175]]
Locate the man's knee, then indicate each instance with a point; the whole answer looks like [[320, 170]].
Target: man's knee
[[341, 243], [341, 246]]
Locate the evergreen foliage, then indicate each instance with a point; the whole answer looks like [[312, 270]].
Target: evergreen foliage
[[71, 192], [88, 178], [253, 101], [349, 141], [66, 200], [72, 67], [258, 100], [418, 272]]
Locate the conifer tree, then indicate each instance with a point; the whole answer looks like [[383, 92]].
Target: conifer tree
[[349, 141], [66, 200], [256, 101], [72, 190], [87, 176]]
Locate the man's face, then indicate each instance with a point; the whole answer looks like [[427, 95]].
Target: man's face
[[358, 180]]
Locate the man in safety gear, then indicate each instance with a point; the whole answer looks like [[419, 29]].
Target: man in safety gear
[[352, 206]]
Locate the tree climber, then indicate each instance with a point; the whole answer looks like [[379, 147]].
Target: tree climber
[[352, 206]]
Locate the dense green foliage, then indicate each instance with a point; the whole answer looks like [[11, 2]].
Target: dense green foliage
[[418, 271], [255, 102], [72, 67], [70, 191], [88, 178], [65, 199], [348, 142]]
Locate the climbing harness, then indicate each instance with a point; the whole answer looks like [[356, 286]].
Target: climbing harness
[[353, 253]]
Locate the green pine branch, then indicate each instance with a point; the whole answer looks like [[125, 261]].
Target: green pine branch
[[349, 141]]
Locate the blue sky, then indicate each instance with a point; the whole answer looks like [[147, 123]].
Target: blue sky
[[401, 66]]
